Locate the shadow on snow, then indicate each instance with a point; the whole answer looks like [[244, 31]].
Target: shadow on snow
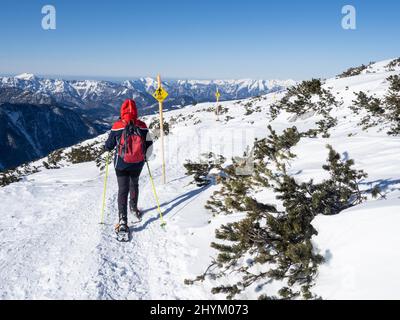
[[191, 195]]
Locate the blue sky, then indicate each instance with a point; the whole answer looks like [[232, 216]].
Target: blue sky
[[195, 39]]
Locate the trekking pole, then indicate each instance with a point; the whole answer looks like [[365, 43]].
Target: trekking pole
[[163, 223], [105, 188]]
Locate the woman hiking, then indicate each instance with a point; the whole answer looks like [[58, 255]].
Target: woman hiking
[[133, 142]]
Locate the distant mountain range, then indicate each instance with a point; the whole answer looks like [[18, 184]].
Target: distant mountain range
[[100, 100]]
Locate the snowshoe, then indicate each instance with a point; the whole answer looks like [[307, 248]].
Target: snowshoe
[[122, 232]]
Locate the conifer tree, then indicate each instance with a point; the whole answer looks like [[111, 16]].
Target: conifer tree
[[279, 239], [393, 64], [373, 106], [393, 104], [355, 71], [380, 111], [309, 96]]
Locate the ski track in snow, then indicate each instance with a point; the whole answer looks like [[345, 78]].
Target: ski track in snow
[[122, 272], [141, 268], [69, 255]]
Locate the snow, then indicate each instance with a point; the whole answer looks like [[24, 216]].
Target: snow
[[360, 248], [53, 246], [25, 76]]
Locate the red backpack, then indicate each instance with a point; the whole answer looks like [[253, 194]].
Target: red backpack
[[131, 147]]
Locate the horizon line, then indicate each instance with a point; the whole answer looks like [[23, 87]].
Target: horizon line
[[128, 78]]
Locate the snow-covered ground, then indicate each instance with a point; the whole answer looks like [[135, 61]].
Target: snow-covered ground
[[52, 245]]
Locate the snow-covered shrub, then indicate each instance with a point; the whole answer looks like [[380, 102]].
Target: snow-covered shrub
[[393, 64], [355, 71], [14, 175], [277, 148], [7, 177], [271, 244], [221, 110], [154, 126], [274, 147], [249, 108], [325, 125], [53, 159], [309, 97], [341, 190], [394, 83], [201, 169], [228, 118], [378, 111], [393, 104], [372, 105], [85, 153]]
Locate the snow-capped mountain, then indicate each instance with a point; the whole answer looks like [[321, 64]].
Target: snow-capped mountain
[[97, 99], [101, 99], [204, 90], [53, 247]]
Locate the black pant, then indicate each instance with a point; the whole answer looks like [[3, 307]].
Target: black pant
[[128, 183]]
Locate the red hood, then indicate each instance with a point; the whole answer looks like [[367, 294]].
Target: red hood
[[129, 111]]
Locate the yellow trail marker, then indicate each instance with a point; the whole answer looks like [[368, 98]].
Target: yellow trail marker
[[160, 95], [217, 95]]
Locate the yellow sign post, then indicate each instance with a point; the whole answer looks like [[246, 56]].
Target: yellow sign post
[[217, 95], [160, 95]]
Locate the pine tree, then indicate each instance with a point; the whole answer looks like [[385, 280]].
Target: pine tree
[[280, 239], [355, 71], [393, 64], [393, 104], [380, 111], [373, 106], [301, 99]]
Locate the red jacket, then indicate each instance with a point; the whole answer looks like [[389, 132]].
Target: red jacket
[[128, 113]]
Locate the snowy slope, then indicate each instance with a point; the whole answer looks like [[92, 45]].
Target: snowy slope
[[53, 247]]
